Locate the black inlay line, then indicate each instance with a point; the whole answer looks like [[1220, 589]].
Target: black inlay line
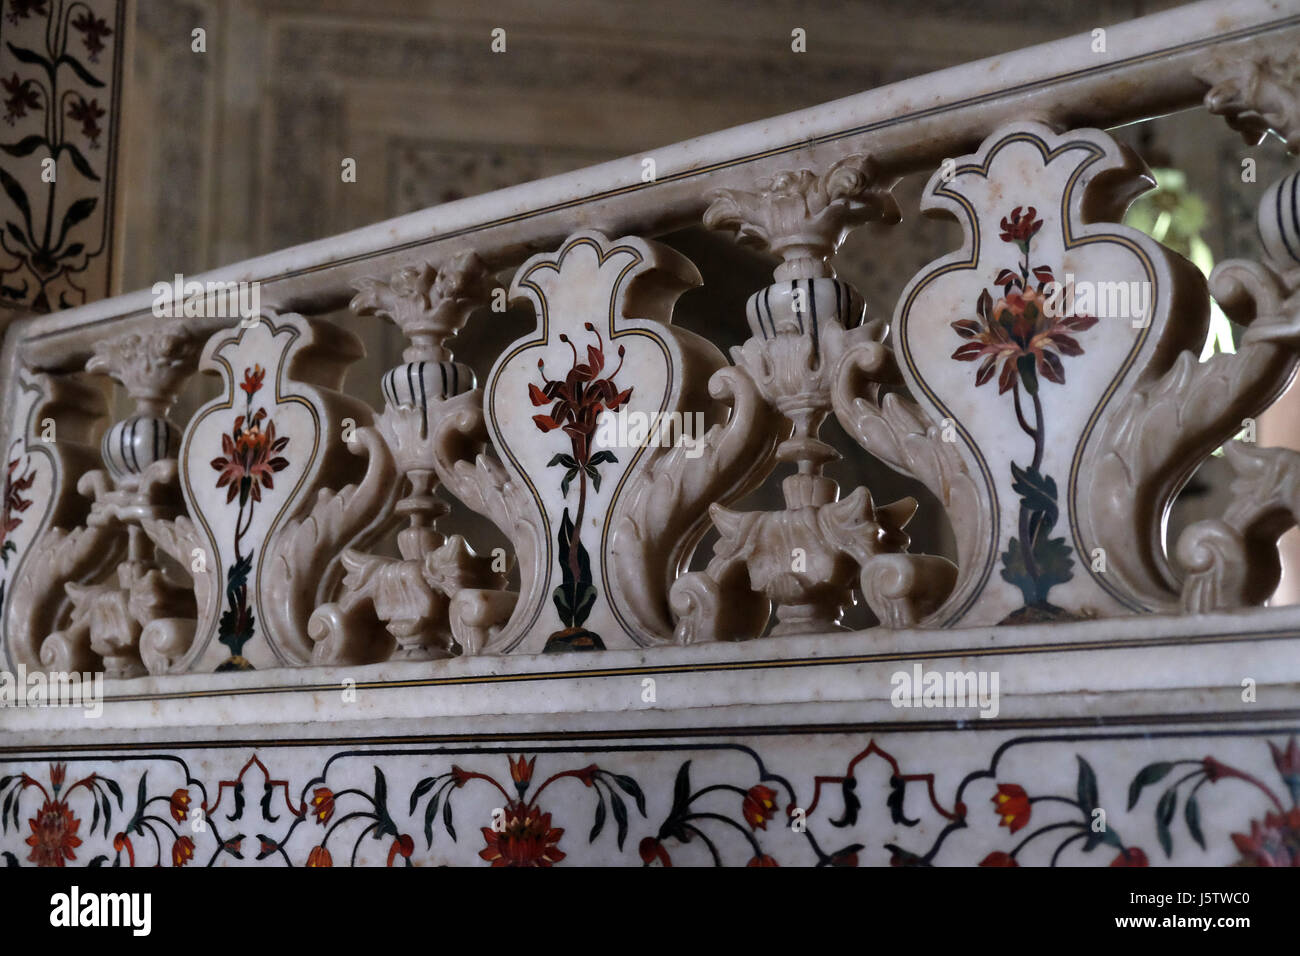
[[1281, 223], [897, 656], [424, 405], [794, 297], [1295, 214], [410, 385], [759, 309], [1261, 724], [812, 315]]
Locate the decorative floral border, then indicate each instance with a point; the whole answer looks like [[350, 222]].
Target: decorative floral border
[[716, 812]]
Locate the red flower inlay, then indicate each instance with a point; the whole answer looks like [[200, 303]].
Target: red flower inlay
[[521, 770], [253, 378], [247, 465], [123, 842], [54, 837], [759, 806], [319, 856], [1012, 805], [180, 803], [528, 839], [577, 400], [651, 850], [322, 802], [1020, 228], [403, 845], [182, 851], [1019, 325], [1131, 856], [1274, 842]]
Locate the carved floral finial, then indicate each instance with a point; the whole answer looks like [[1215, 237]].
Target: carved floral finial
[[151, 366], [429, 304], [802, 216], [1258, 96]]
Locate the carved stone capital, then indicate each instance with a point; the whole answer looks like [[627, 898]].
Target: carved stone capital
[[430, 304], [1259, 95], [802, 216], [151, 367]]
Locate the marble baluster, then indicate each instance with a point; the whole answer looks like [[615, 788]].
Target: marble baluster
[[807, 559], [402, 608], [140, 484]]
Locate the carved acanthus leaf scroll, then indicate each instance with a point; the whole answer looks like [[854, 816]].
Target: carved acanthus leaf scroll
[[46, 542], [1169, 426], [1233, 561], [663, 515], [901, 434], [306, 563]]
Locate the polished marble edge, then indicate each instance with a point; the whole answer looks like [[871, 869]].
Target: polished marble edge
[[1192, 664], [1136, 716]]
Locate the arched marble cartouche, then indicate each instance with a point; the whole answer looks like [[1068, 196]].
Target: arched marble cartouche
[[603, 356], [255, 457], [1026, 342]]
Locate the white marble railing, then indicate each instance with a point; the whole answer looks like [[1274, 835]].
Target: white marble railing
[[1042, 381]]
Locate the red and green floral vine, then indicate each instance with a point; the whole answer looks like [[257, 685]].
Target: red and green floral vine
[[577, 402], [1015, 809], [373, 808], [249, 460], [1273, 840], [522, 835], [1021, 339]]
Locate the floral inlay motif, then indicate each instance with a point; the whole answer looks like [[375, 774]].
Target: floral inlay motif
[[250, 457], [577, 402], [1021, 339]]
